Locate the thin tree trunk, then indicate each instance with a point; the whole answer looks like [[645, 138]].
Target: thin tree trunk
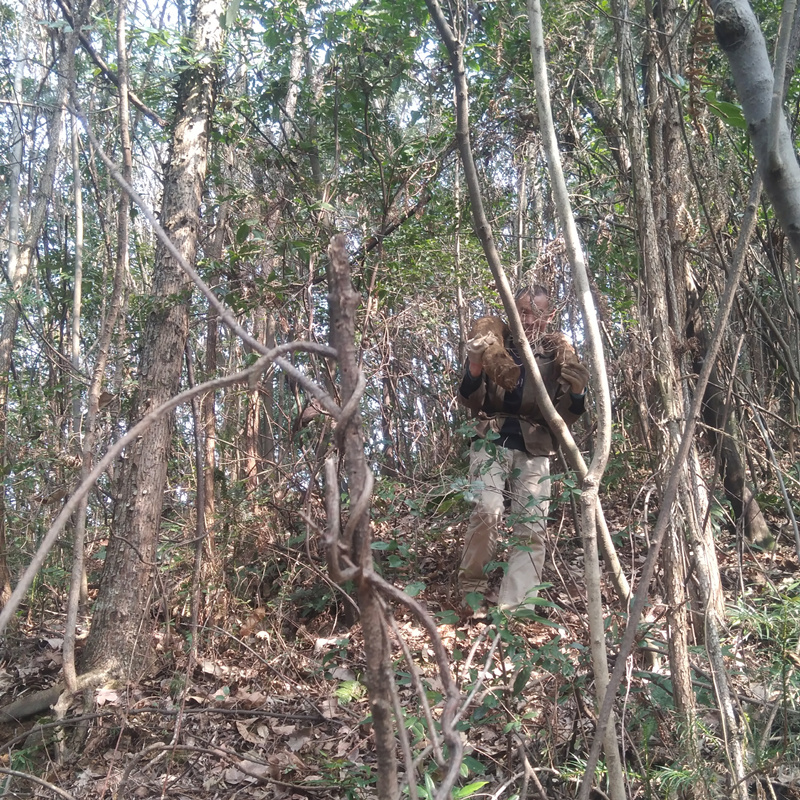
[[120, 632], [666, 287], [211, 573], [350, 440], [77, 289], [461, 306], [723, 434], [13, 257], [114, 309], [19, 265], [678, 628], [590, 484], [252, 426], [201, 531], [664, 518]]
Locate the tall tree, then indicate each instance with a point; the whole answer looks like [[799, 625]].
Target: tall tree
[[119, 631]]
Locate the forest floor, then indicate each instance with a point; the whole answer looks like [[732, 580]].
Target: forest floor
[[275, 706]]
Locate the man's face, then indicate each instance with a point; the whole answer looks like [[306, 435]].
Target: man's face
[[535, 313]]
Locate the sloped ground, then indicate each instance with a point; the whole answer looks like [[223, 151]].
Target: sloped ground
[[275, 706]]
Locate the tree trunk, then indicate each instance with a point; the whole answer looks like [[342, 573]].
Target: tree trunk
[[659, 180], [590, 484], [13, 254], [723, 434], [252, 424], [120, 631], [20, 257], [344, 301], [740, 37]]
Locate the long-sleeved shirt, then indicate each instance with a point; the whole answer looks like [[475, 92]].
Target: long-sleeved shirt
[[514, 415]]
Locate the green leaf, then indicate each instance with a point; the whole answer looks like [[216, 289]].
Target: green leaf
[[348, 691], [678, 81], [468, 790], [729, 113], [530, 614], [242, 232], [413, 589], [474, 600], [521, 681]]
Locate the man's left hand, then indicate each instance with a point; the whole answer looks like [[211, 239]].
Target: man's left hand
[[576, 375]]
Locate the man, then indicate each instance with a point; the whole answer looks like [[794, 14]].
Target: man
[[518, 452]]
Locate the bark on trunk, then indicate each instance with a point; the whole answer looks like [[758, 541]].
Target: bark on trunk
[[120, 631], [591, 480]]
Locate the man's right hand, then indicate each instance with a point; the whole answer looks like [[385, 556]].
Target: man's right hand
[[476, 347]]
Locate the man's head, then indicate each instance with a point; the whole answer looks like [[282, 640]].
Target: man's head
[[535, 311]]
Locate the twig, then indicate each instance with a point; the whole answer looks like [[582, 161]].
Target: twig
[[420, 690], [331, 539], [482, 675], [319, 573], [530, 772], [33, 779], [402, 734]]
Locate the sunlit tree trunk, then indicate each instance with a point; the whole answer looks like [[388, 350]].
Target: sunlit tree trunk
[[253, 466], [77, 585], [120, 626], [211, 568], [591, 480], [740, 37], [77, 289]]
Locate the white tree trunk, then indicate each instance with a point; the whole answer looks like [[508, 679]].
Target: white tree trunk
[[740, 37]]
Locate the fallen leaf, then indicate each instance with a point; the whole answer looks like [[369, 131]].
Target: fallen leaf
[[235, 776], [251, 699], [329, 708], [247, 734], [252, 622], [299, 740], [106, 697], [284, 730]]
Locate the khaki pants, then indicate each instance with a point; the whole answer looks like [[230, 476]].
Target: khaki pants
[[529, 482]]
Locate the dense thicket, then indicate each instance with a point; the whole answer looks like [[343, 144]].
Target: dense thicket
[[325, 118]]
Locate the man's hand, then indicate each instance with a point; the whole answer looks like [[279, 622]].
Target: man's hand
[[476, 347], [576, 375]]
